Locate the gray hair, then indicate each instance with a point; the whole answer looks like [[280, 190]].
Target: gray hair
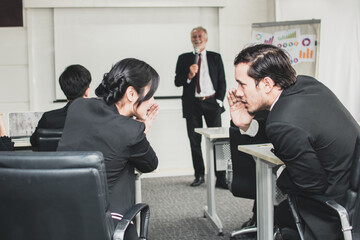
[[199, 28]]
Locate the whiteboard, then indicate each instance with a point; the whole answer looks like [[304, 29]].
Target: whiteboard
[[97, 38]]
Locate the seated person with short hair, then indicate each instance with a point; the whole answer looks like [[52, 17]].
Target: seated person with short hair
[[75, 83]]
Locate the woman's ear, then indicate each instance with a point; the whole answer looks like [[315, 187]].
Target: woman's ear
[[131, 94]]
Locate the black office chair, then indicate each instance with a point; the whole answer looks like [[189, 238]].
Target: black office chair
[[48, 139], [59, 195], [243, 165], [349, 211]]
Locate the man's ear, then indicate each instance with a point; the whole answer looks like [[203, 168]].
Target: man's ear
[[268, 84], [86, 94]]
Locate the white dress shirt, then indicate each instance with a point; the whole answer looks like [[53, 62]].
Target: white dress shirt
[[206, 86]]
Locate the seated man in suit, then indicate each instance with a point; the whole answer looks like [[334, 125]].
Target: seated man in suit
[[74, 82], [310, 129]]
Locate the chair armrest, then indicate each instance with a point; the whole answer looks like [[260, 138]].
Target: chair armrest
[[129, 216], [341, 211], [294, 211], [344, 218]]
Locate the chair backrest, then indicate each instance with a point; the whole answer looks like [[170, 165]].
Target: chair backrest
[[243, 165], [48, 139], [54, 195], [352, 197]]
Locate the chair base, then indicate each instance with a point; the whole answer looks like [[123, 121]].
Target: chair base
[[244, 231]]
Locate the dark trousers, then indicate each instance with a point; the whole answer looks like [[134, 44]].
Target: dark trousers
[[211, 111], [320, 222]]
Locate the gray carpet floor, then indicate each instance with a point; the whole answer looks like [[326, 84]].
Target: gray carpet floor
[[177, 210]]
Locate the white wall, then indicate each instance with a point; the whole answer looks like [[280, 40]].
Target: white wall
[[339, 57], [27, 67], [13, 70]]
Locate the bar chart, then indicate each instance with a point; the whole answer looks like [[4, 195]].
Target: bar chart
[[306, 54]]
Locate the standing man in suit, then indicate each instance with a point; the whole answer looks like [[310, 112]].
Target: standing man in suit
[[311, 131], [74, 82], [201, 74]]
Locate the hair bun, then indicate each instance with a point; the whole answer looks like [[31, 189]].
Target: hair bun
[[125, 73], [112, 87]]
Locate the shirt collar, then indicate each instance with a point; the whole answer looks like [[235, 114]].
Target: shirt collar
[[203, 53], [272, 105]]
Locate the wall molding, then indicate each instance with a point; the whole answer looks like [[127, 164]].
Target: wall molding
[[121, 3]]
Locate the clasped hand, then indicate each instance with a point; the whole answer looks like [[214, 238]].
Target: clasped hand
[[151, 114]]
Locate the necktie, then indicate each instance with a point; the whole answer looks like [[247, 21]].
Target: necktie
[[198, 75]]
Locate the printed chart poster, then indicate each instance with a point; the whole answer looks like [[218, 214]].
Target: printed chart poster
[[307, 48], [262, 37], [289, 40]]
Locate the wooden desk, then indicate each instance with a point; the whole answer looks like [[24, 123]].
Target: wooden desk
[[211, 136], [265, 162]]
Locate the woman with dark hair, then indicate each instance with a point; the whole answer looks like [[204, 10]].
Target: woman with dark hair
[[116, 125]]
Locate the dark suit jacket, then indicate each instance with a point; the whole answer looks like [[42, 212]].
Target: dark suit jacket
[[216, 72], [54, 119], [314, 135], [92, 125], [6, 144]]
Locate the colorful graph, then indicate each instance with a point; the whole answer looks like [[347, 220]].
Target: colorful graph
[[306, 42], [306, 54], [294, 61], [291, 35], [270, 41]]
